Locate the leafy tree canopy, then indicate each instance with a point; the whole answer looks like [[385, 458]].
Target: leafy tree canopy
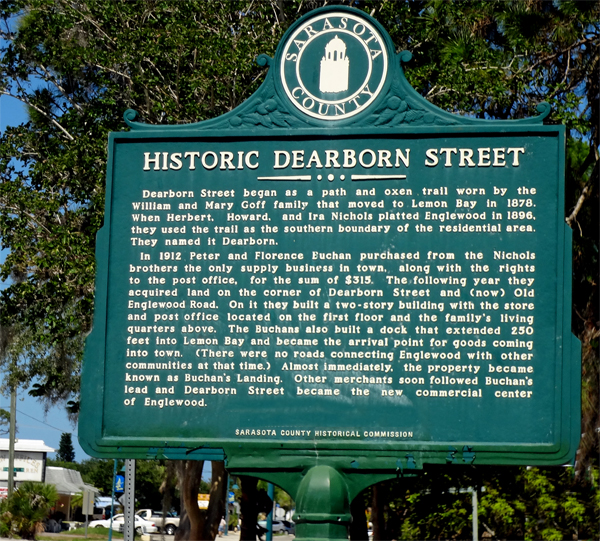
[[514, 503], [4, 421], [66, 452], [79, 65]]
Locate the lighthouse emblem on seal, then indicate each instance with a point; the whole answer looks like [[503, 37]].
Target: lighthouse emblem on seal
[[334, 65]]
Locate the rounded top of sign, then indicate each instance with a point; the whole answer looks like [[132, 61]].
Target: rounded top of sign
[[333, 63]]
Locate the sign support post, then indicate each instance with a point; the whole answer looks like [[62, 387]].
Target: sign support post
[[474, 501], [112, 500], [323, 505], [129, 507]]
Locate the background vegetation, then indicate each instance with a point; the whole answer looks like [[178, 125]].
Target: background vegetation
[[79, 65], [23, 514]]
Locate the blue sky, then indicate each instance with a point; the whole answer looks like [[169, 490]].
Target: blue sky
[[32, 422]]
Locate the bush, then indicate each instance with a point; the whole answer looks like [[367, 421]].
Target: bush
[[24, 513]]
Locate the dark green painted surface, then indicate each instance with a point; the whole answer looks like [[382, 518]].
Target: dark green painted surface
[[422, 286]]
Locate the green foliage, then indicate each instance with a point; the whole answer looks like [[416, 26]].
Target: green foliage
[[177, 62], [498, 59], [560, 508], [233, 520], [77, 501], [149, 475], [90, 61], [23, 514], [514, 503], [429, 506], [96, 472], [79, 65], [60, 464], [284, 500], [66, 452], [4, 421], [79, 534]]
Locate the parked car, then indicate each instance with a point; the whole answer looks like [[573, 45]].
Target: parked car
[[168, 524], [278, 526], [142, 526], [290, 526], [100, 523]]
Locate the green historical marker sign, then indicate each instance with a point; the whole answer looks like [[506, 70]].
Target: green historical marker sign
[[334, 273]]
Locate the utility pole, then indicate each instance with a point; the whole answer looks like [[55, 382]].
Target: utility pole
[[11, 440]]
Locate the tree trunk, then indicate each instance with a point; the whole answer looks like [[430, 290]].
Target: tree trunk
[[249, 508], [358, 527], [192, 520], [168, 486], [216, 505], [377, 516], [183, 532]]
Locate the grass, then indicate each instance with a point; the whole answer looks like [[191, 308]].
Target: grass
[[79, 535]]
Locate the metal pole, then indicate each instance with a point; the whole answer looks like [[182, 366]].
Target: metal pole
[[86, 499], [11, 440], [227, 507], [271, 494], [112, 501], [129, 524], [475, 513]]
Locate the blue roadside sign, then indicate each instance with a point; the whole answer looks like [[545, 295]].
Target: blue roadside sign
[[119, 483]]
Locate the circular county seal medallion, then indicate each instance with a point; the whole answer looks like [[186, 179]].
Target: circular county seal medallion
[[334, 66]]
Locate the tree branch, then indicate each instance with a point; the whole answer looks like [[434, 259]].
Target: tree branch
[[31, 217], [71, 5], [52, 79], [585, 193], [124, 75], [42, 112]]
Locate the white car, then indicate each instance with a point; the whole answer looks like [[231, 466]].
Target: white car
[[141, 526], [278, 526]]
